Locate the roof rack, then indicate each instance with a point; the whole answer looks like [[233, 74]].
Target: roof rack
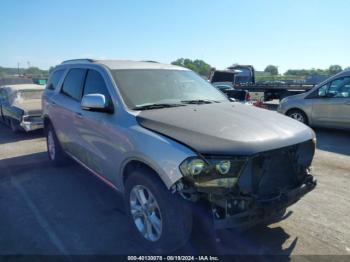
[[150, 61], [80, 60]]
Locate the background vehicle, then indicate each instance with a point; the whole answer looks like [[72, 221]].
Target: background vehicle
[[20, 106], [238, 95], [243, 77], [326, 105], [168, 140]]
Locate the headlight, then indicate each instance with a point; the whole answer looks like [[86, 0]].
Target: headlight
[[193, 167], [213, 171], [223, 167]]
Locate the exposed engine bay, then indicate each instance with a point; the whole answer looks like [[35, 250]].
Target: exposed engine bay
[[259, 189]]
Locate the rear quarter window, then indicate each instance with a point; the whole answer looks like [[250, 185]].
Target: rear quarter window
[[54, 79]]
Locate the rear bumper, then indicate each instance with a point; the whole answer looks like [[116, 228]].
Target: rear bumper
[[264, 211], [31, 126]]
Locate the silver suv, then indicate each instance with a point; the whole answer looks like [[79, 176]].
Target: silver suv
[[170, 141]]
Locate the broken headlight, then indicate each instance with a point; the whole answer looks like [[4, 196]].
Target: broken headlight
[[213, 171]]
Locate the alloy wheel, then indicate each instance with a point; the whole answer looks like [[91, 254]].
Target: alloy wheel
[[297, 116], [145, 212]]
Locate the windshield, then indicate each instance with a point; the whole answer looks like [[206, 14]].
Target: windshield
[[28, 95], [153, 86]]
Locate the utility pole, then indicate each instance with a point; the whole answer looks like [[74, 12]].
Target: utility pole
[[18, 68]]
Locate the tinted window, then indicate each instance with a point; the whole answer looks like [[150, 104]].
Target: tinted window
[[54, 79], [95, 84], [340, 87], [73, 83], [29, 94]]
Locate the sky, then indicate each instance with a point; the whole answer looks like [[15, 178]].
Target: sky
[[291, 34]]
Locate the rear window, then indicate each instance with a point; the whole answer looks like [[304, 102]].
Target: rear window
[[28, 94], [73, 83], [54, 79]]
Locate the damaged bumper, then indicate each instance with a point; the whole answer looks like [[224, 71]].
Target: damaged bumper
[[256, 211], [31, 123]]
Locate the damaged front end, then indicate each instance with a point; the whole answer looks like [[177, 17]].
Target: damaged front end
[[243, 191]]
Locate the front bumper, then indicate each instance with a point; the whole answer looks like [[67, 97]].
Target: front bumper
[[262, 211], [31, 126]]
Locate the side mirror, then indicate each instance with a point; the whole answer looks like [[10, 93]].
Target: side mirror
[[95, 102], [329, 95]]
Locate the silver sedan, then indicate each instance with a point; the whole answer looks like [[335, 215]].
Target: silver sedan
[[326, 105]]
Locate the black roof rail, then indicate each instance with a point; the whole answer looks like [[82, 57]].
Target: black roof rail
[[150, 61], [79, 60]]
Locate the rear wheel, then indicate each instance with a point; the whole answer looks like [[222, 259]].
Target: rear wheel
[[54, 149], [161, 221], [298, 115]]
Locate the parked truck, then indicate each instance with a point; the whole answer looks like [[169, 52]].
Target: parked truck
[[243, 77]]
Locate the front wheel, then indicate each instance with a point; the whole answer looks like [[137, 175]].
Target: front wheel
[[298, 115], [161, 221]]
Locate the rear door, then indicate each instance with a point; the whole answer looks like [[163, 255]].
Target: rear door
[[65, 113]]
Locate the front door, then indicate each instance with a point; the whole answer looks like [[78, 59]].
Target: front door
[[98, 132], [331, 107]]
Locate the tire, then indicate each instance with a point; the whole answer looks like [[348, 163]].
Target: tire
[[54, 149], [298, 115], [14, 125], [170, 219]]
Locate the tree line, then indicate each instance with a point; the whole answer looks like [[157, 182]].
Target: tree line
[[197, 65], [331, 70], [31, 71], [203, 68]]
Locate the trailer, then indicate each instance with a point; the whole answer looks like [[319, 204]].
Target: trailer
[[269, 92], [243, 77]]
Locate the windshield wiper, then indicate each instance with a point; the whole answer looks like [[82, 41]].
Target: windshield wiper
[[156, 106], [199, 101]]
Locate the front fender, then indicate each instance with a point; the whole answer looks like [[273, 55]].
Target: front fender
[[160, 153]]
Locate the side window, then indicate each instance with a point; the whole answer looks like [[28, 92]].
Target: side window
[[73, 83], [3, 96], [95, 84], [340, 88], [322, 91], [54, 79]]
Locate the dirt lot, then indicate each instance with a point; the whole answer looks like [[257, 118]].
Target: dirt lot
[[48, 210]]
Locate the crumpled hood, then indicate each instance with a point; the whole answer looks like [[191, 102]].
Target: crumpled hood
[[226, 128], [30, 107]]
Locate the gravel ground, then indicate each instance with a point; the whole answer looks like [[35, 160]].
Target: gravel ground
[[49, 210]]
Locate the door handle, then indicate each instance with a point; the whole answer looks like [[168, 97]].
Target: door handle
[[79, 115]]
